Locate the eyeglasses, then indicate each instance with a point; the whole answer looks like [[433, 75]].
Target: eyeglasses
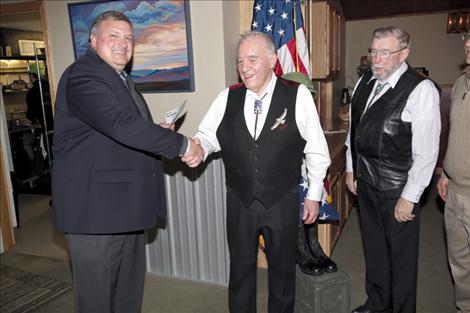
[[384, 54]]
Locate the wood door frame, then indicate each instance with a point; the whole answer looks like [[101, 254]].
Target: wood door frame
[[5, 206]]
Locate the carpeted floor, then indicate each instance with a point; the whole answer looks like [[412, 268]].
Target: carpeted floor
[[22, 292]]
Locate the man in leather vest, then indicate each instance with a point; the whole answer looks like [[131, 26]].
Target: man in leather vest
[[393, 145], [263, 127]]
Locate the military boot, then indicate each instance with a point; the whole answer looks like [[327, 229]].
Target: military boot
[[304, 257]]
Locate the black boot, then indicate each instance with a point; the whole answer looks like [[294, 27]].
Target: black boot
[[304, 257], [318, 254]]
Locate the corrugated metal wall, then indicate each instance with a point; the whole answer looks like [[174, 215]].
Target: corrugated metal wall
[[192, 244]]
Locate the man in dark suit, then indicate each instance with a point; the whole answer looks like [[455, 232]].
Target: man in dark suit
[[107, 181], [263, 128]]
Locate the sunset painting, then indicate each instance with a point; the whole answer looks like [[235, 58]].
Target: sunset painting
[[162, 59]]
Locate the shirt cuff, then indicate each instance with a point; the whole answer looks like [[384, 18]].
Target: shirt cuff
[[315, 192], [412, 193], [184, 146]]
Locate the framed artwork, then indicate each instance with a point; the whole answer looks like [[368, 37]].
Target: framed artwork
[[162, 60]]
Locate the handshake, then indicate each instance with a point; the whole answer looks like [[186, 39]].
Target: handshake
[[195, 154]]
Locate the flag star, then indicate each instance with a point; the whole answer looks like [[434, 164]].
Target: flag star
[[258, 7], [284, 15], [304, 185], [255, 24], [271, 11], [268, 28], [281, 32]]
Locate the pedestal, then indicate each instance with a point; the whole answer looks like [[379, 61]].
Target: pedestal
[[326, 293]]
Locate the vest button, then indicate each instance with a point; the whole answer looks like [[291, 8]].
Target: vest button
[[256, 170]]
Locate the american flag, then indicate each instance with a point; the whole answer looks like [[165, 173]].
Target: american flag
[[276, 18], [327, 210]]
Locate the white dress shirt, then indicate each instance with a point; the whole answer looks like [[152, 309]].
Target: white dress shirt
[[422, 110], [316, 149]]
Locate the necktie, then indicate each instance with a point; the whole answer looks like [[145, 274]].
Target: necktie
[[379, 88], [377, 91], [137, 99]]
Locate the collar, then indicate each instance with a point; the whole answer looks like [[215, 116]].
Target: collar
[[269, 88], [393, 79], [466, 72]]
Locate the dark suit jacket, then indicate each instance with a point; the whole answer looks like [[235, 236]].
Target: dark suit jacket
[[106, 177]]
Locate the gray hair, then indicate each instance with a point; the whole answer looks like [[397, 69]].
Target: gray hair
[[268, 41], [402, 36], [107, 16]]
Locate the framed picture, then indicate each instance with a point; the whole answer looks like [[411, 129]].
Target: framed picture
[[162, 60]]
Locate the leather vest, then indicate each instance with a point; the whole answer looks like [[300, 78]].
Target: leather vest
[[380, 139], [268, 168]]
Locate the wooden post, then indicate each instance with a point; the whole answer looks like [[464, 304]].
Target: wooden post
[[5, 207]]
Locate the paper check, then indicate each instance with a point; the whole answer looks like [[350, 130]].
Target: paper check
[[172, 115]]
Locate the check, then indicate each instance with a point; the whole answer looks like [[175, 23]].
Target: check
[[172, 115]]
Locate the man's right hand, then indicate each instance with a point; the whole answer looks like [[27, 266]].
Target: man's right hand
[[442, 187], [195, 154], [351, 182]]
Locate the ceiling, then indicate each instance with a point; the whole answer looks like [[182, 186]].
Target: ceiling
[[365, 9]]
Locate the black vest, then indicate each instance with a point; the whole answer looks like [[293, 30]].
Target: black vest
[[268, 168], [380, 140]]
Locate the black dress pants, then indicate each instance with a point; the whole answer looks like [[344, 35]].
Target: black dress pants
[[108, 272], [391, 251], [278, 225]]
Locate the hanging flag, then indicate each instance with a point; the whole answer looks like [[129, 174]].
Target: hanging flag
[[327, 210], [276, 18]]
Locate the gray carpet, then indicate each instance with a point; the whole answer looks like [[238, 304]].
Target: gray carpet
[[22, 292]]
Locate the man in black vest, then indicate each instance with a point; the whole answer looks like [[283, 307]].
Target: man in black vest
[[263, 128], [393, 145]]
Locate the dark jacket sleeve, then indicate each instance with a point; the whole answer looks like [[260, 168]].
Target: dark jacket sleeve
[[98, 98]]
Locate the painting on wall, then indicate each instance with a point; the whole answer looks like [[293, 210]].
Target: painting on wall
[[162, 60]]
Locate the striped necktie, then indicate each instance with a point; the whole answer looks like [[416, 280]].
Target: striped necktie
[[143, 110], [377, 91]]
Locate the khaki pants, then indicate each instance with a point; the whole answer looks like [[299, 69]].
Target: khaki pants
[[457, 222]]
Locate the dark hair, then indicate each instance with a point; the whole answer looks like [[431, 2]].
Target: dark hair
[[106, 16]]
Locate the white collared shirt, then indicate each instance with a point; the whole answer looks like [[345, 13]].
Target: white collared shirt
[[316, 149], [422, 110]]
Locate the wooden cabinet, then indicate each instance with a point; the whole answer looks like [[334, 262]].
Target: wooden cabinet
[[328, 233], [323, 23]]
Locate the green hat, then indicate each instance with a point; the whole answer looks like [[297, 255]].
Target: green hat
[[301, 78]]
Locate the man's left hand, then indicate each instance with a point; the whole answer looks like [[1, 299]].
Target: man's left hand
[[403, 210], [311, 210]]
